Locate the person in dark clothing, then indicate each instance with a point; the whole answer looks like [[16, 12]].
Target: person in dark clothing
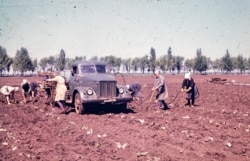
[[46, 87], [28, 89], [188, 86], [161, 88], [134, 89]]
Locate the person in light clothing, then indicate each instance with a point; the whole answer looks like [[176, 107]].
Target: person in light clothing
[[60, 91], [8, 92]]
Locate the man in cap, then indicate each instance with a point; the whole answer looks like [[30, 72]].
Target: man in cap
[[161, 89], [9, 92]]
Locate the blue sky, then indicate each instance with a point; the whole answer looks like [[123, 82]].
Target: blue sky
[[125, 28]]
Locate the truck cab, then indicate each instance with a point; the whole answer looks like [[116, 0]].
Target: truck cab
[[90, 84]]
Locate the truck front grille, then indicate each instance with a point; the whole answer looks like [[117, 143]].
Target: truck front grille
[[107, 89]]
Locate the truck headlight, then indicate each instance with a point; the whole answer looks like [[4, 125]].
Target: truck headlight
[[89, 91], [121, 90]]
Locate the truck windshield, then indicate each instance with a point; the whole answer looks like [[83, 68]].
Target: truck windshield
[[88, 69], [100, 69], [93, 69]]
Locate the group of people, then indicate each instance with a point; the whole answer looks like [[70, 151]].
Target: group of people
[[160, 87], [29, 91], [188, 86]]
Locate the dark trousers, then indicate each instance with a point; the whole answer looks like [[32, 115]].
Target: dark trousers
[[162, 104], [192, 101]]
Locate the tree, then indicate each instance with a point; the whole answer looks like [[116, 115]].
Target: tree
[[61, 61], [127, 63], [170, 61], [80, 58], [217, 65], [162, 61], [112, 61], [43, 63], [51, 61], [94, 58], [248, 63], [144, 63], [152, 60], [4, 59], [178, 63], [22, 61], [189, 64], [227, 64], [9, 63], [135, 63], [34, 65], [200, 62], [240, 63]]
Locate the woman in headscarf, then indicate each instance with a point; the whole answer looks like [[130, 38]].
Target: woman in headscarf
[[9, 92], [60, 91], [161, 89], [188, 86]]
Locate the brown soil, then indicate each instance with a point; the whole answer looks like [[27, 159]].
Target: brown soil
[[217, 128]]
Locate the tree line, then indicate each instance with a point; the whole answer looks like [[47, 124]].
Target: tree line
[[168, 62]]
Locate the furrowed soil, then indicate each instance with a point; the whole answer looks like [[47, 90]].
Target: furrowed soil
[[217, 128]]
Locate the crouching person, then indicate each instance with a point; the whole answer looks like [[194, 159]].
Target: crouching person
[[134, 89], [28, 89], [60, 92], [9, 92]]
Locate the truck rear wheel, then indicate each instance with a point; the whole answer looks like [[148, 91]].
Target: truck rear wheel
[[78, 104]]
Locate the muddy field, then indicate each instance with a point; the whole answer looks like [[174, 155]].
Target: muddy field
[[217, 128]]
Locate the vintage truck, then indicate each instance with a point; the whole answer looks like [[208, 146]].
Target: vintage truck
[[90, 84]]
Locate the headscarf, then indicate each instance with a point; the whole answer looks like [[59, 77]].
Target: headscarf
[[187, 76]]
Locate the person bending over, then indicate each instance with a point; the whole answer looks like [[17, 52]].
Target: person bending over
[[8, 92], [134, 89], [28, 89]]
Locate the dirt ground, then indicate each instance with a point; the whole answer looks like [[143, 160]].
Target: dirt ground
[[217, 128]]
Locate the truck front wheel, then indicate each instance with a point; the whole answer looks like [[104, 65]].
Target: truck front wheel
[[78, 104]]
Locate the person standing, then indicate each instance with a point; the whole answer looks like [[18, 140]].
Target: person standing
[[60, 91], [8, 92], [161, 89], [188, 86]]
